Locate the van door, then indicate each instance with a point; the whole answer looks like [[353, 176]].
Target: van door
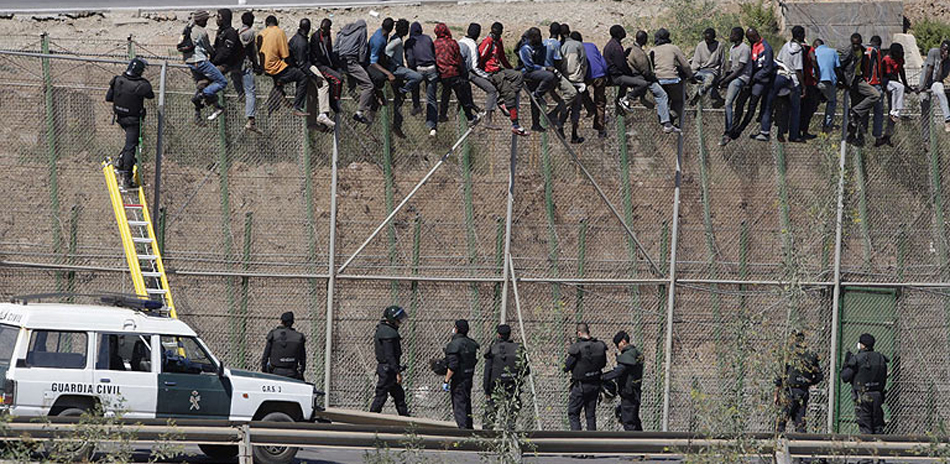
[[125, 376], [189, 385], [56, 364]]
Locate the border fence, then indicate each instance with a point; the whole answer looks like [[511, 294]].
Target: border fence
[[708, 256]]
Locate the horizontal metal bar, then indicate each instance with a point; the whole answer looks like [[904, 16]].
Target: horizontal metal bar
[[70, 57]]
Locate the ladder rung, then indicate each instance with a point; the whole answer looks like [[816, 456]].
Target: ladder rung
[[141, 240], [138, 223], [132, 206], [154, 291], [147, 257], [151, 274]]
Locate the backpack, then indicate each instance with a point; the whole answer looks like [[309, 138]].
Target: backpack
[[185, 44]]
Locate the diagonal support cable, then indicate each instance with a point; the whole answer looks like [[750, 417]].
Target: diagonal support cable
[[603, 196], [405, 200]]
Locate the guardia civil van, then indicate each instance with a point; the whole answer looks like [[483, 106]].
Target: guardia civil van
[[130, 358]]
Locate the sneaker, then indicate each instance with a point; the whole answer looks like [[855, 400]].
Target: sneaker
[[780, 138], [879, 142], [799, 140], [504, 109], [129, 184], [602, 134], [199, 121], [895, 118], [575, 139], [518, 130], [398, 132], [214, 114], [807, 136], [301, 113], [359, 117], [475, 119], [725, 140], [443, 118], [537, 128], [432, 133], [325, 120], [198, 100], [624, 104], [251, 126], [669, 128], [416, 110], [761, 137]]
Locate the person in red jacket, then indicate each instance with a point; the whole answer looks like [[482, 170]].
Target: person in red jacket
[[492, 59], [451, 67]]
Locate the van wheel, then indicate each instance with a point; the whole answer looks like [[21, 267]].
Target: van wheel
[[275, 454], [70, 451], [219, 452]]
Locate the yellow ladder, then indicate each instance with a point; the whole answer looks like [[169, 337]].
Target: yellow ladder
[[138, 239]]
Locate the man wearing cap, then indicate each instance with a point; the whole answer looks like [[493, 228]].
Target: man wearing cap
[[629, 377], [505, 367], [388, 347], [285, 352], [461, 356], [867, 374], [199, 60]]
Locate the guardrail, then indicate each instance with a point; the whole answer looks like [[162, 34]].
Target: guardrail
[[246, 435]]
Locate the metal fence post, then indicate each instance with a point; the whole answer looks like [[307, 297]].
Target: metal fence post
[[160, 141], [52, 156], [671, 291], [245, 450], [506, 267], [239, 323], [331, 264], [836, 293]]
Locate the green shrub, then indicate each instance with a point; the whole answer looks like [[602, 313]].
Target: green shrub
[[929, 33], [687, 19], [763, 18]]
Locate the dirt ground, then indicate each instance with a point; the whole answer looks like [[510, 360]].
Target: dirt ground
[[591, 17]]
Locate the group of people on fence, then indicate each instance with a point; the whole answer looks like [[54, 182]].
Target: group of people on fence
[[785, 88], [506, 367]]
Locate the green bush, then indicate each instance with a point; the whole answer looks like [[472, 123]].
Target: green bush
[[763, 18], [929, 33], [687, 19]]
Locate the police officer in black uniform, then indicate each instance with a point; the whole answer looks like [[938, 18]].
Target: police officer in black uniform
[[801, 372], [505, 368], [461, 356], [285, 352], [388, 346], [127, 93], [867, 374], [586, 359], [629, 377]]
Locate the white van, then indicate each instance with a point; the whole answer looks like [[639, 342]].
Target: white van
[[67, 359]]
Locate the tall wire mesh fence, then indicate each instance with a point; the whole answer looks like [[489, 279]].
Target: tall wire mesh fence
[[245, 226]]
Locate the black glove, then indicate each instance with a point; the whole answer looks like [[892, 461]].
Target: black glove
[[848, 356]]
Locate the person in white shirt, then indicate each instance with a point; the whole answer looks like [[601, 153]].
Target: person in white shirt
[[787, 83], [468, 45]]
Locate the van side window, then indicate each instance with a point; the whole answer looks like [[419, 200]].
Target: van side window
[[183, 355], [64, 350], [124, 352]]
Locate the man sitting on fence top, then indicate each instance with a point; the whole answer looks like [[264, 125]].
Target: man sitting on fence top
[[197, 50], [936, 78], [273, 50]]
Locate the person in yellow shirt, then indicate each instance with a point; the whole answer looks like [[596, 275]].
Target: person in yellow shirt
[[273, 52]]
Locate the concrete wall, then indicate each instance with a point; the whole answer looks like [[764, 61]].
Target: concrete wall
[[834, 22]]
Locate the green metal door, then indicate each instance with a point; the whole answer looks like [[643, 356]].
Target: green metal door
[[871, 310]]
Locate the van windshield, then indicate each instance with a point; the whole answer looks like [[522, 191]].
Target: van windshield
[[8, 334]]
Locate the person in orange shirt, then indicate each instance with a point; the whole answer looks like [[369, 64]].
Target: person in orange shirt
[[274, 51]]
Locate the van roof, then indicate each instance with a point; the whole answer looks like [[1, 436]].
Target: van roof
[[78, 317]]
